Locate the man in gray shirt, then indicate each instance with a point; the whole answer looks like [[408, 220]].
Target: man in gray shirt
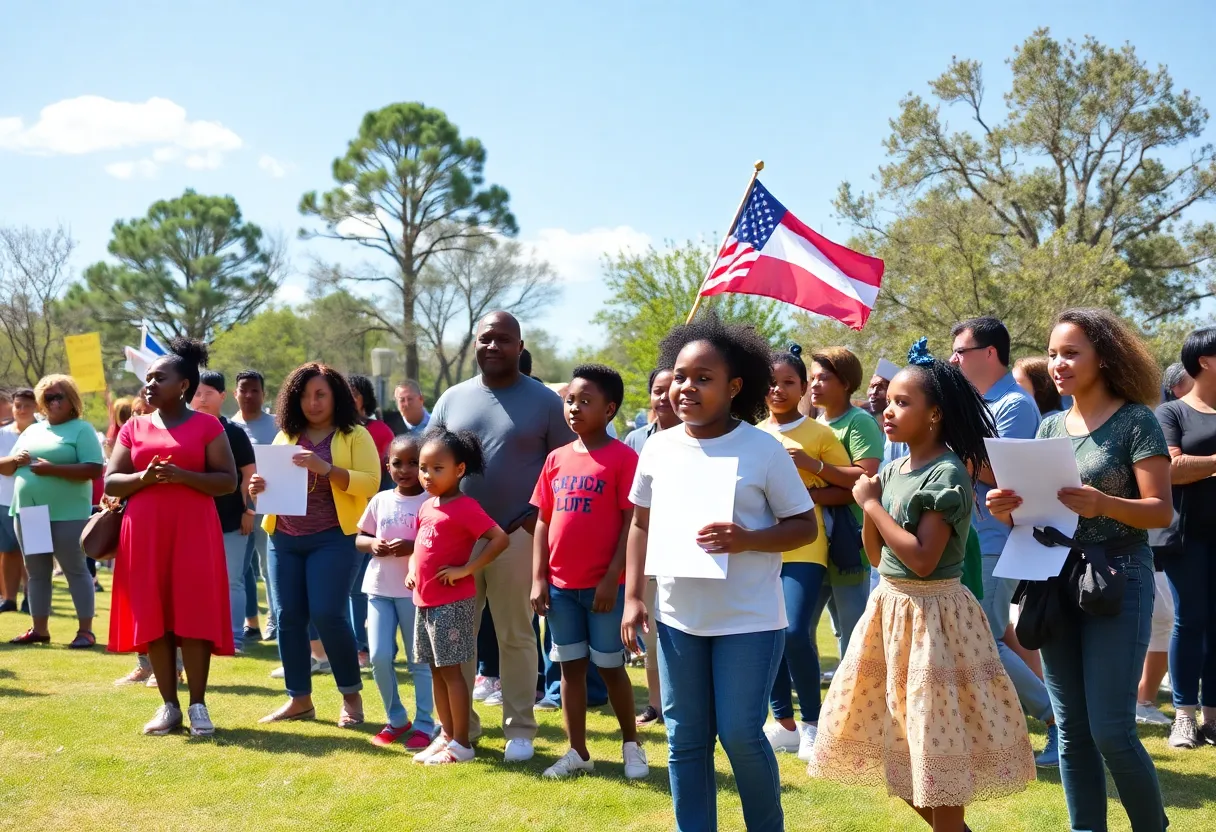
[[261, 428], [519, 421]]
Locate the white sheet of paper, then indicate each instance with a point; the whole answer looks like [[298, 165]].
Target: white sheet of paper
[[1036, 469], [680, 507], [36, 530], [286, 483]]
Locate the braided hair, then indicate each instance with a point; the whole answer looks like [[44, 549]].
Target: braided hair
[[966, 419], [793, 358], [464, 446]]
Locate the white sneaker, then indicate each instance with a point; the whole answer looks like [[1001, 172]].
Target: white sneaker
[[200, 721], [485, 686], [454, 752], [781, 738], [168, 718], [1149, 714], [277, 673], [569, 765], [494, 700], [807, 732], [437, 746], [319, 667], [518, 751], [636, 766]]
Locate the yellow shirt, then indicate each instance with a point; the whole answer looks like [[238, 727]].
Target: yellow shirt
[[356, 452], [819, 442]]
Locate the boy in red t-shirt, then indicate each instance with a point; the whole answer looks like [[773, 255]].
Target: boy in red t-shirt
[[578, 562]]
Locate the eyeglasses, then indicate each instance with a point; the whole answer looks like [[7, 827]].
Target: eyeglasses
[[964, 350], [55, 398]]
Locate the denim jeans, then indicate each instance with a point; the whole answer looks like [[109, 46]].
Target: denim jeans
[[579, 633], [358, 603], [718, 687], [998, 594], [799, 665], [258, 544], [487, 646], [385, 616], [236, 553], [313, 574], [1192, 577], [844, 604], [1093, 670], [551, 674]]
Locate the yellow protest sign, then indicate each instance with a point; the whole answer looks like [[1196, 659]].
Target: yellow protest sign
[[84, 361]]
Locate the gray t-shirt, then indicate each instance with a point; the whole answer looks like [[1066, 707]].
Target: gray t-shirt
[[261, 431], [518, 426]]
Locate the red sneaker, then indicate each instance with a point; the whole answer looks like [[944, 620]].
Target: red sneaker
[[389, 735], [418, 741]]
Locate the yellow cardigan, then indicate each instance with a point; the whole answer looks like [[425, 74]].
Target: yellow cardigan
[[356, 452]]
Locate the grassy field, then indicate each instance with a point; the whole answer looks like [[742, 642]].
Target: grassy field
[[72, 758]]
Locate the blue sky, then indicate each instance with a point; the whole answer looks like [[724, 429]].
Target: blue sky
[[609, 123]]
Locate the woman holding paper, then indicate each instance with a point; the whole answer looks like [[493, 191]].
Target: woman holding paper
[[313, 557], [54, 463], [720, 641], [1092, 669], [170, 575]]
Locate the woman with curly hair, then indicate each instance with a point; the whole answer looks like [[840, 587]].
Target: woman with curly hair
[[720, 641], [1092, 668], [170, 576], [313, 559]]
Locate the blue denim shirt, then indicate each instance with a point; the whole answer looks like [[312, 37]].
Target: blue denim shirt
[[1017, 417]]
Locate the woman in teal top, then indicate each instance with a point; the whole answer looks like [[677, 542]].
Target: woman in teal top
[[1092, 669], [54, 464], [921, 703]]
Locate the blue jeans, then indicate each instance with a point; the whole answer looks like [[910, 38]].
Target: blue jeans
[[998, 594], [579, 633], [799, 665], [844, 604], [358, 603], [487, 646], [1093, 670], [236, 554], [258, 554], [385, 616], [551, 674], [1192, 576], [718, 687], [313, 574]]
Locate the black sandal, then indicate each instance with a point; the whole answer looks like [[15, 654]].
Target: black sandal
[[649, 716], [84, 639], [30, 637]]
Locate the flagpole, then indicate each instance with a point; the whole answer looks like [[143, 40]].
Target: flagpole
[[696, 304]]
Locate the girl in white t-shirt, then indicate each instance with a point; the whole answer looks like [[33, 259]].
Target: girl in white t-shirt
[[387, 531], [720, 640]]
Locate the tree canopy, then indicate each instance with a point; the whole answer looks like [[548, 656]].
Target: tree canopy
[[33, 273], [410, 187]]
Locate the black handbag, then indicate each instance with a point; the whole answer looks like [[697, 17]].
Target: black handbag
[[844, 544], [1044, 608]]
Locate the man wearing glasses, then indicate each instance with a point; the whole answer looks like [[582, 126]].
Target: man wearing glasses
[[981, 351]]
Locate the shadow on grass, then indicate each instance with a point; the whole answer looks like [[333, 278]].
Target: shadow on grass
[[5, 673], [274, 740], [19, 692], [254, 690], [1179, 790]]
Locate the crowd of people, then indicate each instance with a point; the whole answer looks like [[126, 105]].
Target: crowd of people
[[464, 527]]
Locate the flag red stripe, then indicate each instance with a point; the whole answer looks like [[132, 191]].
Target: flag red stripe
[[784, 281], [858, 266]]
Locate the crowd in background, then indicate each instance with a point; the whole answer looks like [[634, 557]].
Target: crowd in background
[[463, 528]]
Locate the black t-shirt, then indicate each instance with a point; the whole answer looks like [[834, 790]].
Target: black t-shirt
[[1194, 433], [230, 507]]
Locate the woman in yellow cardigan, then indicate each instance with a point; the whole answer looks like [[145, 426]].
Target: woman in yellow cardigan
[[313, 560]]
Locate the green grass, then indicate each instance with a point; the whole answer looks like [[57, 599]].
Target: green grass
[[72, 758]]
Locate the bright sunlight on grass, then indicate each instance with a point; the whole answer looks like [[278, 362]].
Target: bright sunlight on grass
[[72, 758]]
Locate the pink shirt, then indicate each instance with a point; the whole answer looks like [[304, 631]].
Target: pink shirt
[[446, 536], [581, 495]]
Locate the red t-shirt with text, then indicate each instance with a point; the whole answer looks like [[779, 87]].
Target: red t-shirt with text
[[446, 535], [580, 495]]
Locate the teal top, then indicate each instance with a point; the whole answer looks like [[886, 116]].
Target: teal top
[[1105, 458], [66, 444], [862, 439], [942, 486]]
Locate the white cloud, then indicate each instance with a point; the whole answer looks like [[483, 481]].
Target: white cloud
[[578, 256], [93, 124], [272, 166]]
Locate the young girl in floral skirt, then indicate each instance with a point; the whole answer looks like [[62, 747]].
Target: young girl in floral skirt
[[921, 702]]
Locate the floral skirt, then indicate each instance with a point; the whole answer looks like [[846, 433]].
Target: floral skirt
[[921, 702]]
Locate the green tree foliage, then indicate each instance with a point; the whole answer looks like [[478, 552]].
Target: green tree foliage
[[652, 292], [191, 267], [409, 186], [549, 363], [274, 342], [1066, 199]]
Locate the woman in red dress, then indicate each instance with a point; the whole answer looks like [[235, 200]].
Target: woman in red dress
[[171, 579]]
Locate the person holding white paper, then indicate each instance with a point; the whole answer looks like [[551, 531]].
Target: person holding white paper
[[1092, 668], [920, 703], [720, 640], [54, 463]]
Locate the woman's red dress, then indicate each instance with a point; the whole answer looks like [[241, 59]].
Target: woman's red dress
[[170, 574]]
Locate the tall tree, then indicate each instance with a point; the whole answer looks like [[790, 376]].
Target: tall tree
[[33, 274], [193, 266], [410, 187], [274, 342], [1083, 190], [459, 288], [652, 292]]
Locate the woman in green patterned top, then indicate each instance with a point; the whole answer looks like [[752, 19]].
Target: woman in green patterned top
[[1093, 669]]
